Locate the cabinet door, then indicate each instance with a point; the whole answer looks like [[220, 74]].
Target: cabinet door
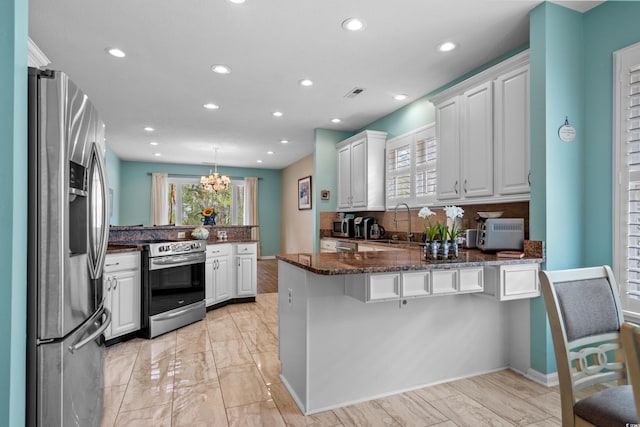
[[448, 137], [519, 281], [209, 272], [477, 141], [512, 132], [416, 284], [359, 174], [247, 275], [126, 297], [222, 282], [344, 177], [471, 279], [444, 281], [383, 287]]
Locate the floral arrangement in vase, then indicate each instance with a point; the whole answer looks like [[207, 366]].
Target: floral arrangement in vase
[[208, 216], [440, 238]]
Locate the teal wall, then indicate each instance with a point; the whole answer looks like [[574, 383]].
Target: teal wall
[[135, 195], [412, 116], [607, 28], [557, 167], [325, 176], [113, 178], [13, 218]]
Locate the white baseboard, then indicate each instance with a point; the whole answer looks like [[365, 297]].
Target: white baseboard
[[548, 380], [268, 257]]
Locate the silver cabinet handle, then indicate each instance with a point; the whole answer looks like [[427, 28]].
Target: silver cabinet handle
[[455, 187], [465, 186], [111, 265], [529, 178], [108, 284], [115, 284]]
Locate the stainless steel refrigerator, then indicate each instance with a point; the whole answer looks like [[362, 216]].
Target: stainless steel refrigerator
[[68, 232]]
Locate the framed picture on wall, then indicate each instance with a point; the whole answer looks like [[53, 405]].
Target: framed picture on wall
[[304, 193]]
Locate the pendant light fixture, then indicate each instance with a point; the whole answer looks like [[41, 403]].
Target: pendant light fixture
[[214, 182]]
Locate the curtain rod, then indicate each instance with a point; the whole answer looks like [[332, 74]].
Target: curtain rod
[[184, 175]]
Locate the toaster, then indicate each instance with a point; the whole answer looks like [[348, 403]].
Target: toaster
[[496, 234]]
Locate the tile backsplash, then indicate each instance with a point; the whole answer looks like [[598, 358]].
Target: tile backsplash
[[511, 210]]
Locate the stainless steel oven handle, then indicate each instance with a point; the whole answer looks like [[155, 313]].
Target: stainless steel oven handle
[[176, 260]]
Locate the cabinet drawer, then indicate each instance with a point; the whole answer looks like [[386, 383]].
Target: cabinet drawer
[[512, 282], [416, 284], [471, 279], [328, 245], [382, 287], [444, 281], [118, 262], [218, 250], [245, 248]]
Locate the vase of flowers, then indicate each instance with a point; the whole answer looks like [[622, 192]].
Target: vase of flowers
[[208, 216], [441, 239]]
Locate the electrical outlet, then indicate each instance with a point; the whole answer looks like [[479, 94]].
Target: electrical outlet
[[181, 235], [290, 295]]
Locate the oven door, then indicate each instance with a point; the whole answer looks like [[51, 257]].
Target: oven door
[[175, 281]]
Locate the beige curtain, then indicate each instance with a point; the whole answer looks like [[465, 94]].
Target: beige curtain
[[159, 196], [251, 207]]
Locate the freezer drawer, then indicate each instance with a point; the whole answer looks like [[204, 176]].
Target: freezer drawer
[[70, 380]]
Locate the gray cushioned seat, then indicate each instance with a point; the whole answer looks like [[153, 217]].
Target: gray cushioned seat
[[612, 407]]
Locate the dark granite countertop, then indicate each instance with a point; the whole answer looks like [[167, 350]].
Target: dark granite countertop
[[119, 248], [388, 261], [115, 247]]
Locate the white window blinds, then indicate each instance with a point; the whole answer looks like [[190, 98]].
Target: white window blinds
[[626, 179], [411, 168]]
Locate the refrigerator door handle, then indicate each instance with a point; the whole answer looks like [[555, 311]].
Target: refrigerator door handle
[[98, 249], [105, 324]]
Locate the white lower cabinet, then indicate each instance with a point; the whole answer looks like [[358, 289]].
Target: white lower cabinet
[[246, 270], [121, 291], [218, 273], [376, 287], [512, 282]]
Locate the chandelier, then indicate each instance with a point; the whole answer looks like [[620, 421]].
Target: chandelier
[[215, 182]]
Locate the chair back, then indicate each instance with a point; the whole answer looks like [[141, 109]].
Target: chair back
[[631, 343], [585, 317]]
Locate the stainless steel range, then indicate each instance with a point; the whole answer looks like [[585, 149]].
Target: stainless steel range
[[173, 277]]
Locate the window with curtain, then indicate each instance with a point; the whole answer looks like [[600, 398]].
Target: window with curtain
[[187, 198], [626, 177]]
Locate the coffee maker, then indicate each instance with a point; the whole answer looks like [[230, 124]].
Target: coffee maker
[[363, 227]]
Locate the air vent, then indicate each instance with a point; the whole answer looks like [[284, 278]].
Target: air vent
[[354, 92]]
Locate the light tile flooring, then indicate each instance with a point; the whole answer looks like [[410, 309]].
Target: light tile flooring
[[223, 371]]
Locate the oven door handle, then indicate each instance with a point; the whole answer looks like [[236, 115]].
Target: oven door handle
[[176, 261]]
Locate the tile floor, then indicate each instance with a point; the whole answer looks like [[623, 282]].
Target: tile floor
[[223, 371]]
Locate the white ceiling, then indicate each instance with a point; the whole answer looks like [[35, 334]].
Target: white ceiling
[[269, 45]]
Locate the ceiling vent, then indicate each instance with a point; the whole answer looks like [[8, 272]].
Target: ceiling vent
[[354, 92]]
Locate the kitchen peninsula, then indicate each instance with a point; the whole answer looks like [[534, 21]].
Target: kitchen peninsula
[[358, 326]]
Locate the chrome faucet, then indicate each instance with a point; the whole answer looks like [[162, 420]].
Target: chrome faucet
[[395, 220]]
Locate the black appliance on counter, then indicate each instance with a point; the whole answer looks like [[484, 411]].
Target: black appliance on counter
[[363, 226], [173, 285]]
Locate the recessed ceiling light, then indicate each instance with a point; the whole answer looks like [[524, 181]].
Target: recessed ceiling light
[[211, 106], [114, 51], [277, 114], [157, 154], [306, 82], [269, 152], [149, 129], [446, 47], [353, 24], [236, 1], [259, 161], [336, 120], [153, 143], [284, 141], [400, 97], [220, 69]]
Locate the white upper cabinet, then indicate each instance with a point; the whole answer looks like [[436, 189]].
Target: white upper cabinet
[[476, 141], [411, 168], [512, 131], [361, 172], [483, 136]]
